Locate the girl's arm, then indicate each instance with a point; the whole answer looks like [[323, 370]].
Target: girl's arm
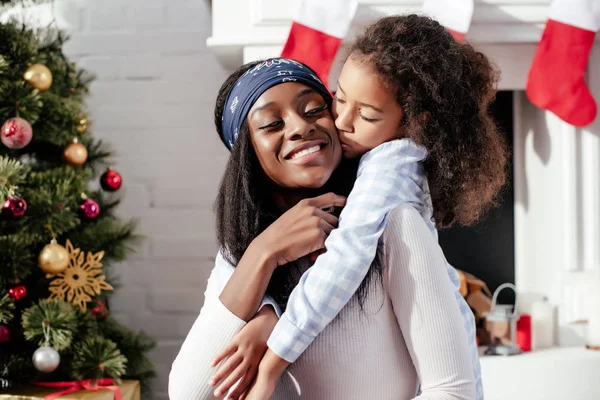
[[389, 175]]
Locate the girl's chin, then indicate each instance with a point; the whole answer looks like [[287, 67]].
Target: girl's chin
[[349, 153]]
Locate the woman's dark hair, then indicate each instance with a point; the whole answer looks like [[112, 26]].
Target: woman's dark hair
[[245, 208], [445, 89]]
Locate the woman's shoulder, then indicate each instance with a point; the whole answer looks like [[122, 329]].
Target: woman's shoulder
[[407, 239], [403, 220]]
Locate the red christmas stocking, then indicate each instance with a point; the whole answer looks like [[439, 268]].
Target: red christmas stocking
[[454, 15], [317, 32], [556, 78]]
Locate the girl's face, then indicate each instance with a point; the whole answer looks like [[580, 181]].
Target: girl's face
[[294, 136], [366, 112]]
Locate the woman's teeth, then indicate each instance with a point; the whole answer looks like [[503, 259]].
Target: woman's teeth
[[306, 152]]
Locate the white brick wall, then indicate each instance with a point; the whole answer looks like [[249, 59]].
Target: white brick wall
[[153, 103]]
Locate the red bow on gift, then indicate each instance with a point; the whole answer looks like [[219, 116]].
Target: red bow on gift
[[75, 386]]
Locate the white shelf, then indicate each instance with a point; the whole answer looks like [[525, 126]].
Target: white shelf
[[554, 374]]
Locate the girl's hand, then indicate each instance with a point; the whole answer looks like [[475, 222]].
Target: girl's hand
[[261, 389], [270, 370], [243, 355]]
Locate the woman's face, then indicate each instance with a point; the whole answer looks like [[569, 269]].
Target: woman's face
[[366, 112], [294, 136]]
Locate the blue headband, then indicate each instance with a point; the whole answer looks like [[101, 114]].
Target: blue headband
[[254, 82]]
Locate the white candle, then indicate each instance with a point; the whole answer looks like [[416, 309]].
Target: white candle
[[542, 325], [593, 325]]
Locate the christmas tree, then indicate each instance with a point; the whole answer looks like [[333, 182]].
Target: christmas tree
[[58, 231]]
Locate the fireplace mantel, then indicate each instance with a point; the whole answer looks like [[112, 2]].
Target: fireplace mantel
[[507, 30], [557, 167]]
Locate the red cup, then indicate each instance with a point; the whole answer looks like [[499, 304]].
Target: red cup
[[523, 339]]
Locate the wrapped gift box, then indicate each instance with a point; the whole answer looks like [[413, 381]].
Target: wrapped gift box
[[130, 390]]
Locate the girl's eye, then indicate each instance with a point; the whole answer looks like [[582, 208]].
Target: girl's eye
[[339, 100], [368, 119], [272, 125], [318, 110]]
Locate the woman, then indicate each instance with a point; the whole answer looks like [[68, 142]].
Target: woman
[[403, 325]]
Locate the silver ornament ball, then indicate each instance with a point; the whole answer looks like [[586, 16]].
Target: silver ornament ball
[[46, 359]]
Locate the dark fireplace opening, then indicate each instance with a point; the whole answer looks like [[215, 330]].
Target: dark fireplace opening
[[487, 249]]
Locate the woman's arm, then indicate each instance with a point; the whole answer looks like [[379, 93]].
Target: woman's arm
[[217, 325], [423, 301], [299, 231], [247, 285], [214, 328], [222, 273]]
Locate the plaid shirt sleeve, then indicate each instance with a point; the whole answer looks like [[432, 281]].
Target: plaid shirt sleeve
[[389, 175], [469, 323]]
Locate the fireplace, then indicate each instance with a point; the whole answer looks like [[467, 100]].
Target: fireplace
[[487, 249], [555, 246]]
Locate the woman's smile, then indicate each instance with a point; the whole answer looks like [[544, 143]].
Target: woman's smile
[[307, 152]]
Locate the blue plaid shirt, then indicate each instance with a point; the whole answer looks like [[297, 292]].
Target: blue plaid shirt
[[389, 175]]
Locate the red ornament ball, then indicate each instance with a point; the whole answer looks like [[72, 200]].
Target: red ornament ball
[[89, 209], [111, 180], [16, 133], [14, 207], [17, 292], [4, 334], [100, 311]]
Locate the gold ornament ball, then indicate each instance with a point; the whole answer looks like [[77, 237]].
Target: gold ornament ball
[[75, 154], [53, 258], [38, 76], [82, 125]]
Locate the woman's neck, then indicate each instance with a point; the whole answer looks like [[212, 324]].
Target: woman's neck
[[341, 183], [286, 199]]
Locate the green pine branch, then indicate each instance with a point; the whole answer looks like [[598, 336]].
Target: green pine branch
[[135, 347], [98, 153], [7, 308], [16, 258], [17, 369], [58, 316], [97, 357], [116, 238], [12, 173], [18, 46], [3, 66]]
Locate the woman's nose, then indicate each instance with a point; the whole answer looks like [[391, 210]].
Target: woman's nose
[[298, 127]]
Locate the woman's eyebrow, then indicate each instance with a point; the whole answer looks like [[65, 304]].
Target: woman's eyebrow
[[304, 93], [272, 103], [269, 104]]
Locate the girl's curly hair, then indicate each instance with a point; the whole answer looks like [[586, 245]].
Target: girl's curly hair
[[445, 89]]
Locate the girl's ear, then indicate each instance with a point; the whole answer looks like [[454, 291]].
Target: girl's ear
[[424, 118], [400, 133]]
